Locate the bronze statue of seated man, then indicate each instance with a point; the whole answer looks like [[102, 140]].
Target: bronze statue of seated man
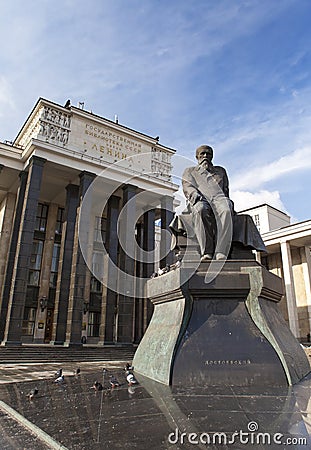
[[209, 216]]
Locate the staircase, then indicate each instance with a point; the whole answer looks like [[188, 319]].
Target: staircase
[[46, 353]]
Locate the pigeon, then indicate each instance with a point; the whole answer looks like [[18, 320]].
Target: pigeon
[[97, 386], [105, 371], [128, 366], [177, 264], [130, 379], [131, 390], [114, 382], [32, 393], [78, 371], [59, 373], [59, 379], [67, 104], [165, 269], [160, 271]]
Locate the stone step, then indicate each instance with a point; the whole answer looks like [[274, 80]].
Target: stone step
[[48, 354]]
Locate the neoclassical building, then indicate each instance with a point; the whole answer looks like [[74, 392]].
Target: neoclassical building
[[64, 182], [289, 257]]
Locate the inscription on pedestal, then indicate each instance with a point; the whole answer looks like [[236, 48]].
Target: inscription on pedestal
[[235, 362]]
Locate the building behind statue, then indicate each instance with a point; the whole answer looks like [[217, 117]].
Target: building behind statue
[[288, 257], [48, 295]]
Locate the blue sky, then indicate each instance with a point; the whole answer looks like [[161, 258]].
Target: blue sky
[[232, 74]]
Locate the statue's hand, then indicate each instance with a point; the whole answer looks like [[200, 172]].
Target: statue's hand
[[194, 197]]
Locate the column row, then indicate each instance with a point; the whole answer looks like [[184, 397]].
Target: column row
[[122, 318]]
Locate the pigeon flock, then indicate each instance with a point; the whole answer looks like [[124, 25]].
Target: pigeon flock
[[112, 381]]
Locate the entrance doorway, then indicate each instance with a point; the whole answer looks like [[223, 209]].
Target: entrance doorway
[[48, 325]]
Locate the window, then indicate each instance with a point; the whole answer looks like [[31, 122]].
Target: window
[[59, 221], [41, 219], [35, 263], [257, 221], [54, 265], [98, 264], [96, 285], [93, 325], [100, 229], [29, 321]]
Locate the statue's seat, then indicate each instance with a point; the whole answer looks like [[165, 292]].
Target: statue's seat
[[245, 236]]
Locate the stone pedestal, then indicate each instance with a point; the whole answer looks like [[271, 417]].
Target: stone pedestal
[[226, 332]]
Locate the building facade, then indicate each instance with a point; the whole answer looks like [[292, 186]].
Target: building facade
[[289, 257], [70, 181]]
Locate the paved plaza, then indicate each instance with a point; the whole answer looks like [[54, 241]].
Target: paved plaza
[[149, 415]]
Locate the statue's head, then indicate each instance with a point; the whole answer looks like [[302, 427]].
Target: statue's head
[[203, 153]]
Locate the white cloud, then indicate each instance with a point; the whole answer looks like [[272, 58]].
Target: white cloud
[[300, 159], [245, 199]]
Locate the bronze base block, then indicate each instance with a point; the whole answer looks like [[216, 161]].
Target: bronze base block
[[225, 332]]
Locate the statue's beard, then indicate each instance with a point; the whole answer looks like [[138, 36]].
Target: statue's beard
[[206, 164]]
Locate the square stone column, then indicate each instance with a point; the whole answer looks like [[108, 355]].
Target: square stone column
[[5, 294], [88, 277], [44, 288], [139, 301], [148, 268], [109, 296], [125, 318], [5, 236], [78, 273], [16, 305], [306, 268], [290, 288], [65, 263]]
